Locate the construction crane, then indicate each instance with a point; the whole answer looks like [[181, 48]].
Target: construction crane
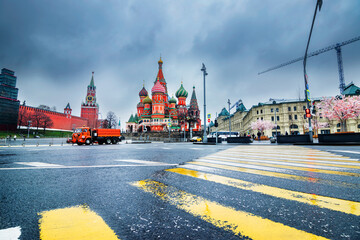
[[337, 48]]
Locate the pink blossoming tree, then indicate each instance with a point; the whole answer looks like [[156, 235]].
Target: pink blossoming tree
[[262, 125], [340, 109]]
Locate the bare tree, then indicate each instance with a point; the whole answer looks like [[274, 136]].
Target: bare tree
[[36, 119], [111, 119], [24, 117], [104, 123], [46, 122]]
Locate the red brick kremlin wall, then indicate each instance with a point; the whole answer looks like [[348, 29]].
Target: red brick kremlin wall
[[60, 121]]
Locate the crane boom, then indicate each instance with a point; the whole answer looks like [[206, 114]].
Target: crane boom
[[317, 52]]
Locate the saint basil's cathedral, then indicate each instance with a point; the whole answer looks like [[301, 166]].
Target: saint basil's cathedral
[[160, 112]]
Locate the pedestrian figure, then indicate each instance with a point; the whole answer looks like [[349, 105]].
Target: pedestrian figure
[[286, 133], [259, 135], [244, 134], [253, 136], [24, 137], [15, 137]]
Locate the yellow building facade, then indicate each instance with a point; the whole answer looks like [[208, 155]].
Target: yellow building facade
[[287, 114]]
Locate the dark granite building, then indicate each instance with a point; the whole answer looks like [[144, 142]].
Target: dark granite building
[[9, 105]]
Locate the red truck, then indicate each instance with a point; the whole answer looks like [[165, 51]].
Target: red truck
[[85, 135]]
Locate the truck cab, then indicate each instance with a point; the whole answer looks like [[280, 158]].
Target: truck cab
[[81, 136]]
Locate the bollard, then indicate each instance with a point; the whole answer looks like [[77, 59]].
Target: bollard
[[61, 143], [23, 144], [37, 144], [50, 144]]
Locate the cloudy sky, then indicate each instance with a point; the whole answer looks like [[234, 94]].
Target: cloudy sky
[[53, 46]]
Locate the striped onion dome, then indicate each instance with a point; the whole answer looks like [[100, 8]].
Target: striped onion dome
[[158, 88], [172, 100], [143, 92], [147, 100], [181, 92]]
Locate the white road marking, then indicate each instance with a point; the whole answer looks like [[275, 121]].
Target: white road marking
[[286, 156], [39, 164], [244, 165], [277, 163], [254, 157], [144, 162], [95, 166], [345, 151], [197, 148], [166, 148], [10, 233]]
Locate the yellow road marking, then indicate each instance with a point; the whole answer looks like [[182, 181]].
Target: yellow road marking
[[335, 204], [76, 223], [277, 175], [291, 161], [351, 174], [239, 222]]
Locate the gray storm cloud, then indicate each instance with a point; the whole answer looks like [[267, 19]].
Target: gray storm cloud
[[53, 46]]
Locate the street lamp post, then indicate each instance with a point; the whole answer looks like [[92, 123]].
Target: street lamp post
[[216, 130], [229, 118], [203, 69], [29, 122], [276, 124], [307, 92]]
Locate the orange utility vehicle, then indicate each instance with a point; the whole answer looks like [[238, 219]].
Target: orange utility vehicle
[[87, 136]]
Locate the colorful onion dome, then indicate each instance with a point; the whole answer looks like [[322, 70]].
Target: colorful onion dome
[[160, 61], [147, 100], [158, 88], [181, 92], [172, 100], [143, 92]]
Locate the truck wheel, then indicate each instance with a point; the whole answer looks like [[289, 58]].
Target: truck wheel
[[114, 141], [101, 142], [87, 141], [79, 143], [108, 141]]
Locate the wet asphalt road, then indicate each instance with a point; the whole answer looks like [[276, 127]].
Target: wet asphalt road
[[108, 180]]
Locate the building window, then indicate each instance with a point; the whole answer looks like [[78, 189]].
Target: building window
[[278, 118], [290, 118], [359, 126], [257, 112], [295, 108], [277, 109], [289, 109], [295, 116], [261, 111], [262, 118], [304, 107], [272, 110], [272, 118], [338, 125]]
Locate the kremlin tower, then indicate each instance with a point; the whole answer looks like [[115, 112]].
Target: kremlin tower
[[90, 109], [159, 113]]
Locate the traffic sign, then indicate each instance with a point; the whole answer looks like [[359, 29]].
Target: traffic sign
[[208, 119], [169, 124], [209, 115]]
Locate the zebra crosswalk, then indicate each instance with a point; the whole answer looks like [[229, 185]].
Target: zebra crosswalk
[[309, 179]]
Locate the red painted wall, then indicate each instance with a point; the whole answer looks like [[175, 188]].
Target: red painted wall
[[60, 121]]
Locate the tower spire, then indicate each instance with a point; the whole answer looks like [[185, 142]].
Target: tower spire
[[92, 80]]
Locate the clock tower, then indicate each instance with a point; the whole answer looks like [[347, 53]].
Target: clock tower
[[90, 109]]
